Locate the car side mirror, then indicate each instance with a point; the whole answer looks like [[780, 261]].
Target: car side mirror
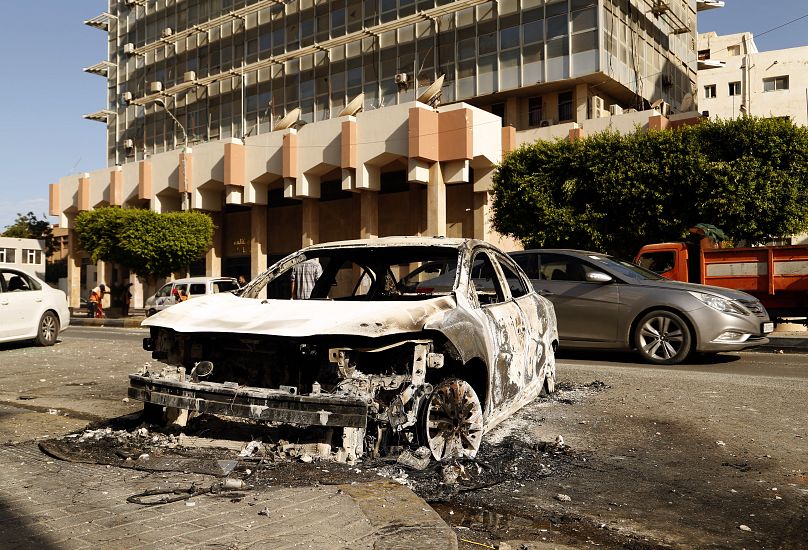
[[598, 277]]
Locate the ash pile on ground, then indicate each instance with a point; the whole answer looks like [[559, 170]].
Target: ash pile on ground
[[510, 455]]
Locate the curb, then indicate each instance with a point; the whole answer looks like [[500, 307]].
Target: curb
[[792, 344], [404, 520], [133, 322]]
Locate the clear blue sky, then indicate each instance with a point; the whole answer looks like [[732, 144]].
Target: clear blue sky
[[45, 45]]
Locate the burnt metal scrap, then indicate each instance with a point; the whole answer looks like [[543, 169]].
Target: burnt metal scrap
[[404, 342]]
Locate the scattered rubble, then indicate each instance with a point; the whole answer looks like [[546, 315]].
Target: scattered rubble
[[561, 497]]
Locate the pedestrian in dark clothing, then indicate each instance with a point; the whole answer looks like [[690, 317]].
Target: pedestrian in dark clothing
[[126, 300]]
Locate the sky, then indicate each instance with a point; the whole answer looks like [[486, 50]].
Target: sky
[[45, 45]]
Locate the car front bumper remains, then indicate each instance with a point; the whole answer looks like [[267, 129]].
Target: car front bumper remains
[[267, 405]]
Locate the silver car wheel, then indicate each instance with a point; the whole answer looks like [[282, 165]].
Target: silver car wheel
[[452, 420], [663, 337], [48, 329]]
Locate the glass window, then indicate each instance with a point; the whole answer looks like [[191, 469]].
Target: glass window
[[164, 291], [557, 26], [509, 38], [30, 256], [735, 88], [534, 111], [514, 281], [565, 106], [485, 282], [658, 262], [13, 282], [532, 32], [584, 41], [734, 49], [529, 262], [487, 43], [224, 286], [775, 83], [197, 289], [709, 91], [584, 20]]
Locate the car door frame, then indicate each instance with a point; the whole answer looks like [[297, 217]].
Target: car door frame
[[504, 324]]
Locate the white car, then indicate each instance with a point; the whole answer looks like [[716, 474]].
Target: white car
[[191, 287], [30, 309]]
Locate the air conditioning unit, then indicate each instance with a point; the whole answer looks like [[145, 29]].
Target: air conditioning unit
[[401, 79], [128, 143], [129, 48], [615, 110], [168, 31], [665, 108], [545, 123], [155, 87], [597, 104], [126, 98], [189, 76]]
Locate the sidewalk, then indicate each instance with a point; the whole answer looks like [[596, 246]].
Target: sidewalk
[[49, 504]]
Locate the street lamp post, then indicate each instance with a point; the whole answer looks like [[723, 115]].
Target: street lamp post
[[185, 194]]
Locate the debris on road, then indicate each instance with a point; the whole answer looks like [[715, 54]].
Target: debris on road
[[561, 497]]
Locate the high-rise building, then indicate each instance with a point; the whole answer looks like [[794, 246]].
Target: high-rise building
[[230, 68], [303, 121]]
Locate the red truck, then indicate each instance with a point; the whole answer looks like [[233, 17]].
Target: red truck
[[775, 275]]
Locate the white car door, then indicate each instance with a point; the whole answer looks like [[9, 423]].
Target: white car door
[[20, 302]]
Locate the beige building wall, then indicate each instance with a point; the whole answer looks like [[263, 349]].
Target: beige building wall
[[735, 59]]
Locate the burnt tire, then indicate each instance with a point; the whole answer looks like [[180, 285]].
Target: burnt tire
[[450, 420], [154, 414], [663, 338], [48, 329]]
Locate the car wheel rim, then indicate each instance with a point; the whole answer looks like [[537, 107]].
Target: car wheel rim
[[453, 420], [661, 338], [48, 328]]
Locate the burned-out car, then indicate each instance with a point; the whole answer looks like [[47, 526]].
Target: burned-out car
[[382, 352]]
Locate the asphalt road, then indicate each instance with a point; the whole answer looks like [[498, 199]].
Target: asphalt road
[[654, 457]]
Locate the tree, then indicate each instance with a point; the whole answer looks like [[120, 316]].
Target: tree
[[28, 226], [614, 193], [150, 244]]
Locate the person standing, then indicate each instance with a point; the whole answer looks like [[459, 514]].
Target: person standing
[[304, 276], [126, 300], [96, 301]]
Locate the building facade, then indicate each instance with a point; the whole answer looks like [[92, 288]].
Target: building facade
[[736, 79], [307, 121], [27, 255]]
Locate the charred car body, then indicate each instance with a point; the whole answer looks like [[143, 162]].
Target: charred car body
[[435, 358]]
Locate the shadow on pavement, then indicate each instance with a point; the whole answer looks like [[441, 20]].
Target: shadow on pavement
[[622, 357]]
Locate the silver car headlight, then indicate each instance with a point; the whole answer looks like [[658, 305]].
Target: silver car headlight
[[718, 303]]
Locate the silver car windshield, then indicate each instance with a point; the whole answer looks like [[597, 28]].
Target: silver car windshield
[[626, 269]]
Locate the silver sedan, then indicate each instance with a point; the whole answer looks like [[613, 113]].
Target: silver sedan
[[602, 302]]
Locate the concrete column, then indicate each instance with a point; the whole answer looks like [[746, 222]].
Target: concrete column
[[213, 258], [311, 222], [581, 102], [416, 209], [137, 291], [259, 240], [73, 270], [103, 271], [482, 215], [436, 202], [369, 215]]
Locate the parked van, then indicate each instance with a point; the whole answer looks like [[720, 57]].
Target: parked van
[[185, 289]]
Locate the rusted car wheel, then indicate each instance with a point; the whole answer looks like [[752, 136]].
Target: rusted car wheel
[[451, 420]]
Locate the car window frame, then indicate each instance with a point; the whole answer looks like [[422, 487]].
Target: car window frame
[[505, 260], [499, 287], [583, 261]]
